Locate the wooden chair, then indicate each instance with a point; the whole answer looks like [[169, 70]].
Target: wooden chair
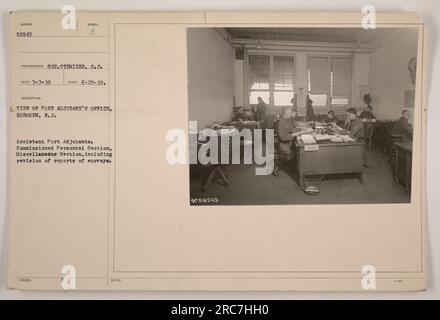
[[276, 151], [394, 138]]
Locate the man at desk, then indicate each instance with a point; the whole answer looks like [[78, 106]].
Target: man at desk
[[403, 127], [240, 115], [331, 117], [287, 132], [354, 125]]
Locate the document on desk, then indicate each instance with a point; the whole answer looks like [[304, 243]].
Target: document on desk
[[108, 191]]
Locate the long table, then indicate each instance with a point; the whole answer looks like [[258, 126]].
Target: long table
[[329, 158]]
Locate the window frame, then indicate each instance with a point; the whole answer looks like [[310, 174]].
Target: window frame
[[294, 84], [330, 96], [350, 94], [247, 87], [328, 93], [271, 55]]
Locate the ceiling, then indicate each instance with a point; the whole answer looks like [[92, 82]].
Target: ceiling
[[335, 35]]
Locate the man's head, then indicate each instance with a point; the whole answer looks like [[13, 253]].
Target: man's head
[[288, 112], [260, 100], [331, 114], [351, 113], [406, 114]]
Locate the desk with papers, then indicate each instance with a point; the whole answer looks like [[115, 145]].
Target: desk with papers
[[326, 157]]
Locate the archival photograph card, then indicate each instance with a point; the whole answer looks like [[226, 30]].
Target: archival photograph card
[[247, 121], [216, 151]]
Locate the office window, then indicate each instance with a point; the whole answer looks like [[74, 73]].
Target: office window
[[341, 80], [319, 80], [329, 80], [283, 69], [272, 78], [259, 78]]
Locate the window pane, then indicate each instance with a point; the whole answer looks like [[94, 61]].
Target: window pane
[[340, 101], [258, 73], [253, 95], [341, 76], [283, 98], [319, 100], [319, 78], [283, 73]]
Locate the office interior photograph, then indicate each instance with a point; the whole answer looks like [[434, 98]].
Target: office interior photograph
[[339, 102]]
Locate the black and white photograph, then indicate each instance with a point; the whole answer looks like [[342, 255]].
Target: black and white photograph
[[220, 152], [285, 116]]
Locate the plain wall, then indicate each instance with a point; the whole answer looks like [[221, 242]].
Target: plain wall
[[390, 76], [210, 76]]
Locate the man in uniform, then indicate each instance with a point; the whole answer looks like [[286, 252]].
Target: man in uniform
[[287, 132], [403, 127], [355, 126]]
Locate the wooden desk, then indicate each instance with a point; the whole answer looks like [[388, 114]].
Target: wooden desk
[[402, 169], [330, 158]]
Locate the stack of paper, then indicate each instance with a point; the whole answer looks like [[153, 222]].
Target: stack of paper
[[322, 137], [347, 138], [308, 139]]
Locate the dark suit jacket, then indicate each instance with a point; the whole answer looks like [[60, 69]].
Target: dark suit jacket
[[356, 128], [285, 128], [403, 128]]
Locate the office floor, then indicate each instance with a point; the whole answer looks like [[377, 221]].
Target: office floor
[[246, 188]]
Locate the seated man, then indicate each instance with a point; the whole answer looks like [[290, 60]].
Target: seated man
[[402, 126], [240, 115], [331, 117], [287, 132], [354, 126], [367, 114]]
